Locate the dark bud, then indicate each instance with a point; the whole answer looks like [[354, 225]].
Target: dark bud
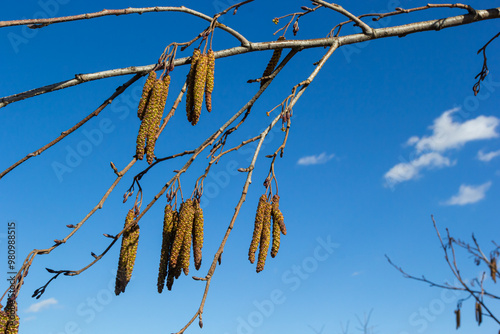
[[171, 66], [176, 171], [57, 241], [234, 13], [399, 9], [266, 182], [109, 236], [51, 271], [305, 8], [295, 28], [220, 259], [200, 323], [93, 255], [70, 226]]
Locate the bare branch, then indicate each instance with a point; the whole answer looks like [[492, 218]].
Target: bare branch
[[397, 31]]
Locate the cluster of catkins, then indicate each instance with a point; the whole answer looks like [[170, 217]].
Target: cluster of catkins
[[180, 230], [262, 230], [200, 81], [150, 112], [272, 62], [9, 321], [128, 251]]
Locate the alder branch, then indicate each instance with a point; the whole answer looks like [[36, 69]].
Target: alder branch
[[196, 152], [396, 31], [40, 23], [64, 134]]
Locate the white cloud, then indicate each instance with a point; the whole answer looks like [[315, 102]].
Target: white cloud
[[44, 304], [448, 134], [405, 171], [469, 194], [487, 156], [315, 159]]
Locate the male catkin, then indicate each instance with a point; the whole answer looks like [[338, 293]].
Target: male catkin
[[162, 90], [148, 86], [184, 226], [128, 250], [197, 233], [168, 225], [257, 230], [148, 119], [199, 87], [265, 237], [209, 87], [190, 84]]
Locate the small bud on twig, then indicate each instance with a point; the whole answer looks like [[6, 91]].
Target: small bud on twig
[[95, 256], [70, 226]]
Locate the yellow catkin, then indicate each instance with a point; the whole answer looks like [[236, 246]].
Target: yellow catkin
[[209, 86], [148, 86], [147, 121], [493, 269], [199, 87], [168, 224], [272, 62], [276, 238], [265, 237], [184, 226], [277, 215], [128, 250], [197, 233], [12, 326], [190, 84], [4, 318], [162, 87], [257, 230]]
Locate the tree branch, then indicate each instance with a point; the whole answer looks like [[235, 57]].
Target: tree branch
[[397, 31]]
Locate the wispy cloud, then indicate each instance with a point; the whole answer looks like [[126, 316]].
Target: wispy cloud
[[405, 171], [44, 304], [315, 159], [469, 194], [487, 156], [447, 134]]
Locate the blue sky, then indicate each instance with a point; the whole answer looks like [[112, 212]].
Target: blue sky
[[388, 134]]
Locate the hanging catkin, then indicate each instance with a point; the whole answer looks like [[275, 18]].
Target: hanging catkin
[[197, 233], [200, 79], [257, 230], [184, 226], [209, 87], [265, 237], [159, 97], [272, 62], [167, 238], [146, 91], [12, 326], [128, 251], [190, 84]]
